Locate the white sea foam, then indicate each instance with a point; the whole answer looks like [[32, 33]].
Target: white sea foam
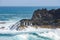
[[34, 33], [54, 34]]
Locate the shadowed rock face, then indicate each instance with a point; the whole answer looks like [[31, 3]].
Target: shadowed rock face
[[26, 22], [42, 17], [55, 13], [45, 17]]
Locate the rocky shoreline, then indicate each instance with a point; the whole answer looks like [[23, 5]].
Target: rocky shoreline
[[43, 18]]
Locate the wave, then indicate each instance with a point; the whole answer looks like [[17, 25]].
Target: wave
[[30, 34], [38, 36], [48, 35]]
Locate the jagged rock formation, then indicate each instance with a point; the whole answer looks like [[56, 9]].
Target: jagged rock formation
[[46, 17], [25, 22], [42, 17], [56, 13]]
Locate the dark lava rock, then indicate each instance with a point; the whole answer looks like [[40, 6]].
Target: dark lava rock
[[45, 17]]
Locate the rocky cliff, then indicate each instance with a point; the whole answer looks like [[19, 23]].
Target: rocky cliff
[[45, 17]]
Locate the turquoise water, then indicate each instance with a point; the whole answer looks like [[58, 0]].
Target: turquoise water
[[13, 13], [28, 36]]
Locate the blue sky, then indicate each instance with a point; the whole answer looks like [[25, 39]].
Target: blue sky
[[29, 2]]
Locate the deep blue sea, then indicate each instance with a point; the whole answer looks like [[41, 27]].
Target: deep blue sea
[[7, 13], [15, 13]]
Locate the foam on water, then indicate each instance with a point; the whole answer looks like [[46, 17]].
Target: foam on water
[[30, 34]]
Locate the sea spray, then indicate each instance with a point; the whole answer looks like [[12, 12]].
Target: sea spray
[[44, 35]]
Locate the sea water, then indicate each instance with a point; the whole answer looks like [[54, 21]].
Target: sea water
[[15, 13], [7, 13], [44, 34]]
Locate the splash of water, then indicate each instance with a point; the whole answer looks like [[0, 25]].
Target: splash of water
[[26, 34]]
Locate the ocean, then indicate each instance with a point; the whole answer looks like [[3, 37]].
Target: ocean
[[18, 13], [7, 13]]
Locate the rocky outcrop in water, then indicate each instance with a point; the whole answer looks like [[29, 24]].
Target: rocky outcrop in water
[[45, 17]]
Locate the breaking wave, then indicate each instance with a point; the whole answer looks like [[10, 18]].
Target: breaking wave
[[30, 35]]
